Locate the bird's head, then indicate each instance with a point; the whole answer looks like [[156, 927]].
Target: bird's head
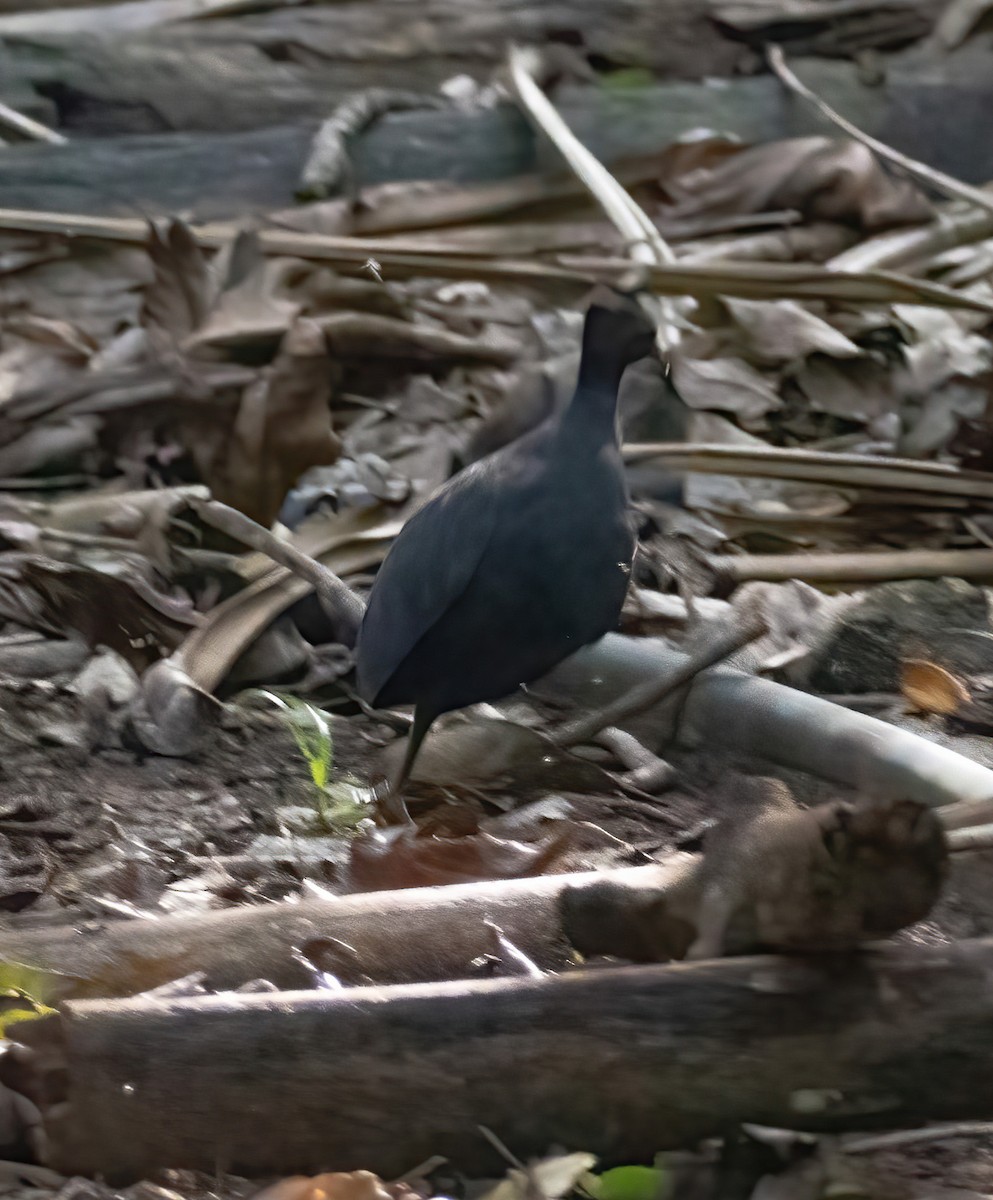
[[617, 327]]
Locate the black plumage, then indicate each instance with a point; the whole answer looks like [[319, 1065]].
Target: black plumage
[[519, 560]]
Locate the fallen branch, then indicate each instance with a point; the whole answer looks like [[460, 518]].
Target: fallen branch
[[976, 837], [884, 870], [868, 567], [619, 1062], [816, 466], [419, 935], [757, 281], [337, 599]]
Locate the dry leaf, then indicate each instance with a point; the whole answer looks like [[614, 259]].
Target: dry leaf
[[282, 429], [827, 179], [121, 604], [253, 310], [725, 385], [856, 389], [549, 1178], [404, 857], [781, 331], [178, 298], [336, 1185], [929, 688]]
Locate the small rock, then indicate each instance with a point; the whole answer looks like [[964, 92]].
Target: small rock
[[945, 621], [108, 674]]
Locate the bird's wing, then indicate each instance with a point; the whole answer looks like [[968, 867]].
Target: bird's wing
[[427, 569]]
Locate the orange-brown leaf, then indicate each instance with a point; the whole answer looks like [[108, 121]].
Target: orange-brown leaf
[[929, 688]]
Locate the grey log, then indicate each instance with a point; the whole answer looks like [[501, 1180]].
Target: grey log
[[222, 169], [622, 1062]]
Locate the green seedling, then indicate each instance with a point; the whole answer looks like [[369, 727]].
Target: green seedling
[[339, 804], [23, 991]]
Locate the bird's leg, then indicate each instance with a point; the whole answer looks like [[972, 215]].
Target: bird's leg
[[393, 804]]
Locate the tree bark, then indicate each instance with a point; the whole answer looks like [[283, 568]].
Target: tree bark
[[622, 1062], [227, 144], [410, 936]]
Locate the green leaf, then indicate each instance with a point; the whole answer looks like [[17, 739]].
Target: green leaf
[[22, 1010], [22, 989], [629, 1183], [627, 78]]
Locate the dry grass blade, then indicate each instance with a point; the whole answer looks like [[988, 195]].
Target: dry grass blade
[[958, 225], [28, 127], [789, 281], [842, 470], [646, 244], [752, 281], [937, 179]]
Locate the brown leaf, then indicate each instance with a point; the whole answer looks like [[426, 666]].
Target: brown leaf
[[929, 688], [178, 298], [405, 858], [726, 384], [123, 609], [781, 331], [282, 429], [856, 389], [253, 311], [336, 1185], [827, 179], [65, 338]]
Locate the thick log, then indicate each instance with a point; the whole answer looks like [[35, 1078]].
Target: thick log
[[773, 876], [929, 112], [622, 1062], [417, 935], [358, 43]]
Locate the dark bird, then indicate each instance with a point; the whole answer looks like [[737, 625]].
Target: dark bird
[[518, 561]]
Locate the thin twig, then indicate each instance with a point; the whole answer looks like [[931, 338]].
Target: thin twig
[[656, 690], [918, 170], [910, 1137], [501, 1148], [338, 600], [28, 127]]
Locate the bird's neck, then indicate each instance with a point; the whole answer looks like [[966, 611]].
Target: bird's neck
[[592, 412]]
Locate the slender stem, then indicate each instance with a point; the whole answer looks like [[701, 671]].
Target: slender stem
[[649, 694], [339, 601]]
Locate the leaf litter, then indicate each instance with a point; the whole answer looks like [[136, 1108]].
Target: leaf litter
[[304, 393]]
